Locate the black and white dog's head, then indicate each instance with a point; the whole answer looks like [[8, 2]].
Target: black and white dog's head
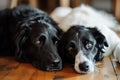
[[82, 47], [32, 35]]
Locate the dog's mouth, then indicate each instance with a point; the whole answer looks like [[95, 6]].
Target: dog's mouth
[[53, 68], [47, 67]]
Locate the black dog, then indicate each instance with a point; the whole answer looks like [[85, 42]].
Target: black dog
[[31, 36], [82, 47]]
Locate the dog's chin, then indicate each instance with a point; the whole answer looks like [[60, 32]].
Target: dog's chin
[[83, 72]]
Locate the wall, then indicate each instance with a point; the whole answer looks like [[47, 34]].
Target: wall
[[103, 4], [4, 4]]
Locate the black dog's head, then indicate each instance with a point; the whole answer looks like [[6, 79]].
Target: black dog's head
[[82, 47], [35, 36], [38, 45]]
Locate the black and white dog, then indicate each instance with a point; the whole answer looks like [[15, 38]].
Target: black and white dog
[[86, 44], [82, 47], [31, 36]]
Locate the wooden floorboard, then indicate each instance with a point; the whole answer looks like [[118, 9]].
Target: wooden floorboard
[[10, 69], [105, 72], [7, 64], [38, 75], [23, 72], [116, 66]]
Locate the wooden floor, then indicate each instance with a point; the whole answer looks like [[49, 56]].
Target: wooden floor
[[10, 69]]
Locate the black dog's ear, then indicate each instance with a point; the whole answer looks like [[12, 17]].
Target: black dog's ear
[[101, 43], [59, 30], [21, 38]]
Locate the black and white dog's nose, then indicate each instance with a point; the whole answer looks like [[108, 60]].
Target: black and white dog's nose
[[84, 66]]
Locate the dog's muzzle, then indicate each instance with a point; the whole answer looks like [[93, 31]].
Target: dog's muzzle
[[83, 64], [54, 65]]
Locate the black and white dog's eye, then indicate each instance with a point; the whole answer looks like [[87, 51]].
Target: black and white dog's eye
[[89, 45], [71, 46], [55, 40], [42, 38]]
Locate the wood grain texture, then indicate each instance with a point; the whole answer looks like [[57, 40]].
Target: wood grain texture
[[117, 9], [13, 3], [33, 3], [65, 3], [10, 69]]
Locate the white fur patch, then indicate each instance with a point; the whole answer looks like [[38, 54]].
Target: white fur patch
[[90, 17], [117, 53], [80, 58]]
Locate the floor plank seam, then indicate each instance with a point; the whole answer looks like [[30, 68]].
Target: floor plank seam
[[113, 67]]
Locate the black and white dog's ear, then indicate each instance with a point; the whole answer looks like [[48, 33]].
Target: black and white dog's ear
[[101, 40], [101, 43], [20, 40]]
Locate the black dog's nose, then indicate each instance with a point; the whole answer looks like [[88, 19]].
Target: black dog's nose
[[84, 66], [55, 62]]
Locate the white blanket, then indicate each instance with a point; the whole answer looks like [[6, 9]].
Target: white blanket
[[90, 17]]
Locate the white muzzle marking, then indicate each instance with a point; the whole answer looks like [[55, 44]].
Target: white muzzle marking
[[80, 58]]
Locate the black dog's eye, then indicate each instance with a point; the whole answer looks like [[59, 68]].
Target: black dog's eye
[[40, 40], [37, 42], [88, 45]]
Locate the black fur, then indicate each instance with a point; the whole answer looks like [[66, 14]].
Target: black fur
[[30, 35], [101, 43]]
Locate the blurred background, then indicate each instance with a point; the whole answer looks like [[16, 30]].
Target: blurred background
[[111, 6]]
